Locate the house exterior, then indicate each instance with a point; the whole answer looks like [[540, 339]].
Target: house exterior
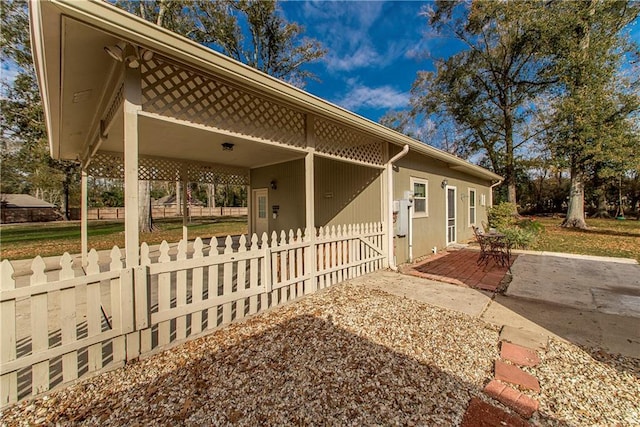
[[332, 195], [25, 208], [131, 100]]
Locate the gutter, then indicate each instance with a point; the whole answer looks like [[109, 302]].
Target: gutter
[[389, 166]]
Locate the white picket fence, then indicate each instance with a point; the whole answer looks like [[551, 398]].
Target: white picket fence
[[64, 326]]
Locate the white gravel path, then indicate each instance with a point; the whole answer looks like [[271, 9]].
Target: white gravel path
[[350, 355]]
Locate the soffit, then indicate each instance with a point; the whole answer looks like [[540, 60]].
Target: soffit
[[162, 138]]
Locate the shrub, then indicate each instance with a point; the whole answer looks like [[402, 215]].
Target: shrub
[[519, 232], [502, 216], [519, 237]]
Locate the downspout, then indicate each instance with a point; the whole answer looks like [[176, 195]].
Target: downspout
[[491, 190], [392, 261]]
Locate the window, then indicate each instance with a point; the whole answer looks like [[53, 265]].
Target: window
[[420, 208], [262, 207], [472, 206]]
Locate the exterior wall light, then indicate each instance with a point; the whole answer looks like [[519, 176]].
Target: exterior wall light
[[444, 183], [227, 146], [131, 56], [274, 184], [116, 51]]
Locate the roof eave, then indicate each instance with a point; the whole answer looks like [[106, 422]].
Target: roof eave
[[129, 27]]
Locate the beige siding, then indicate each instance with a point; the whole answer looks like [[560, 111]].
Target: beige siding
[[346, 193], [289, 194], [430, 231]]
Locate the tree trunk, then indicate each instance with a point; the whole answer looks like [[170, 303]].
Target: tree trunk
[[144, 209], [510, 171], [211, 195], [601, 209], [575, 210]]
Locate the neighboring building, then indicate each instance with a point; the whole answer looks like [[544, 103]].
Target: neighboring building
[[170, 202], [134, 101], [26, 208]]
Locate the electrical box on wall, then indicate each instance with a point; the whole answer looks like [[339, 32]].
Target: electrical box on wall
[[402, 222], [396, 206]]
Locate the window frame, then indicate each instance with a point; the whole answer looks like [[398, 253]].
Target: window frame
[[474, 207], [425, 182]]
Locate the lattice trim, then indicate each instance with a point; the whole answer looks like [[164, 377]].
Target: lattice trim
[[116, 102], [342, 142], [111, 165], [181, 93]]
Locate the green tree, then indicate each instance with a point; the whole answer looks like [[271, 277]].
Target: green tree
[[592, 116], [26, 163], [486, 90], [251, 31]]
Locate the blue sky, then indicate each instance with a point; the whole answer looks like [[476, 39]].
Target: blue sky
[[374, 49]]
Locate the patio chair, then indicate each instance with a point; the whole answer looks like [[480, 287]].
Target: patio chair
[[485, 248], [492, 247]]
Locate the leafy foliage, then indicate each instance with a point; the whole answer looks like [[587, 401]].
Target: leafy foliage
[[482, 95], [519, 232], [251, 31], [26, 164]]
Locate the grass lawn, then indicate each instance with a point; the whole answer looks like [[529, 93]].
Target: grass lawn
[[46, 239], [605, 237]]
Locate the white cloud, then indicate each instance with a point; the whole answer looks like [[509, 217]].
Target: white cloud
[[346, 29], [383, 97]]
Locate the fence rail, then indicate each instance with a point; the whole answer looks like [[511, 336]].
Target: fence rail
[[162, 212], [69, 324]]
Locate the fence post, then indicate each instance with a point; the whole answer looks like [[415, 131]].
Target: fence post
[[8, 382]]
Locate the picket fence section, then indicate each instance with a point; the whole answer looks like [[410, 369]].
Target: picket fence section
[[65, 326]]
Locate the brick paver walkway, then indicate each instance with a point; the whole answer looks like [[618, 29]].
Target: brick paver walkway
[[461, 268]]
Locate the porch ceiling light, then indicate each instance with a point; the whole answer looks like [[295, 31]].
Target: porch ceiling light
[[116, 51], [227, 146]]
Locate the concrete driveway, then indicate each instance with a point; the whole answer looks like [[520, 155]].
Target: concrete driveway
[[591, 301]]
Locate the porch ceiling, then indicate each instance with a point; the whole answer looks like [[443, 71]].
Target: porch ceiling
[[163, 138]]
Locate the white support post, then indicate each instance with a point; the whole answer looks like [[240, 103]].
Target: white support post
[[132, 105], [251, 225], [84, 212], [309, 191], [185, 202]]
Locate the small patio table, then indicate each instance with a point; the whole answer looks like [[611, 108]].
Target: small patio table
[[494, 245]]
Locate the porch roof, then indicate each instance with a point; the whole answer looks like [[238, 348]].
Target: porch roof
[[73, 70]]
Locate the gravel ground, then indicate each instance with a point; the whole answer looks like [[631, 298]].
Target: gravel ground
[[348, 356]]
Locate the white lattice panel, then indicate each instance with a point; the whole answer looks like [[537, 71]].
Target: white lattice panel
[[111, 165], [342, 142], [177, 92], [116, 102]]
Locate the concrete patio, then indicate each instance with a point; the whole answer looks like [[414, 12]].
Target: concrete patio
[[590, 301]]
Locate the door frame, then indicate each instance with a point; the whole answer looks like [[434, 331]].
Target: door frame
[[254, 209], [446, 214]]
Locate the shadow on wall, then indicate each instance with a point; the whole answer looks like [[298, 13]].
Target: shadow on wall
[[346, 190]]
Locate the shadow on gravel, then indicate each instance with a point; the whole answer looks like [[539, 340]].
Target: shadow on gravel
[[300, 372]]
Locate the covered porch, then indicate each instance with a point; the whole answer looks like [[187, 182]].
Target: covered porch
[[129, 101], [129, 112]]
